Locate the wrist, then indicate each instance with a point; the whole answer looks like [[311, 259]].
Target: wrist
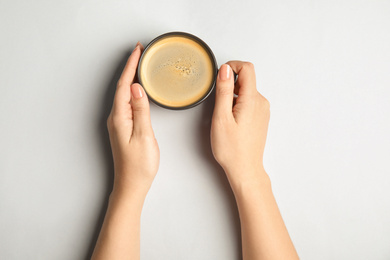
[[130, 181], [248, 181], [127, 200], [125, 191]]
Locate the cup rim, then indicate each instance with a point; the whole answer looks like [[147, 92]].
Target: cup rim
[[207, 48]]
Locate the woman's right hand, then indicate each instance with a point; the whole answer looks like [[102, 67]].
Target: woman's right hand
[[134, 148], [239, 125]]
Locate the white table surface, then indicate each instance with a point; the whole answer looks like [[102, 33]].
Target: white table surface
[[324, 66]]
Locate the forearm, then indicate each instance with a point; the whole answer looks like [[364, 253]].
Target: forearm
[[136, 158], [120, 235], [264, 234]]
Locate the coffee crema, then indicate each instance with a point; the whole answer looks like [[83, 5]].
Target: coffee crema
[[177, 71]]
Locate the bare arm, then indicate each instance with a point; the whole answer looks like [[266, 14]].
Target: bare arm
[[238, 135], [136, 159]]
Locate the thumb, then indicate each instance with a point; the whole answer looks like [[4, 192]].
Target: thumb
[[141, 111], [224, 92]]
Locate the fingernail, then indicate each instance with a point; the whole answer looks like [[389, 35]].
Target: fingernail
[[225, 72], [138, 43], [136, 91]]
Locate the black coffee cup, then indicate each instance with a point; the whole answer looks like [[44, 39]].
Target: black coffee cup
[[184, 68]]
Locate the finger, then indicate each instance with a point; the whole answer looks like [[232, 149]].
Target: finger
[[246, 81], [224, 92], [141, 111], [141, 46], [128, 73], [122, 93]]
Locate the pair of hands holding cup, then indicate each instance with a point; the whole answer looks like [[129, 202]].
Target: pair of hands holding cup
[[238, 131]]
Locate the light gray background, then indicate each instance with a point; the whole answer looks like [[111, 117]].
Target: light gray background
[[324, 66]]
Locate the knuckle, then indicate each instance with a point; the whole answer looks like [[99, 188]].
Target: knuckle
[[266, 103], [249, 65], [263, 101], [224, 91], [139, 109], [115, 121]]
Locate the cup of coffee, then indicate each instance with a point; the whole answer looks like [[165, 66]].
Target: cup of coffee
[[177, 70]]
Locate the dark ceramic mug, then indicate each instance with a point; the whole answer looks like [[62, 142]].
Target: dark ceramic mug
[[204, 46]]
